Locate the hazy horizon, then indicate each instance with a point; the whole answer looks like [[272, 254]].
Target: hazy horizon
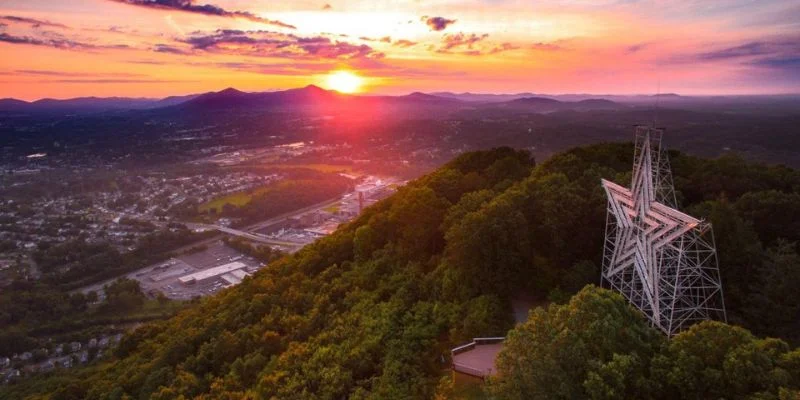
[[453, 92]]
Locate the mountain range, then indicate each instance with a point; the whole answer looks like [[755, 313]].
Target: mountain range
[[309, 96], [315, 99]]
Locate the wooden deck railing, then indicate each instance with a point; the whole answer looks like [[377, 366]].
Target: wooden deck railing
[[469, 346]]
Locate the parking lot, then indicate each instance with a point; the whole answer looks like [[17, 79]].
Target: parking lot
[[163, 277]]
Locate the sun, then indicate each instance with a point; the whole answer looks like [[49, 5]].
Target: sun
[[344, 81]]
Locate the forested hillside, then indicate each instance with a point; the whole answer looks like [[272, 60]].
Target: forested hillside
[[372, 310]]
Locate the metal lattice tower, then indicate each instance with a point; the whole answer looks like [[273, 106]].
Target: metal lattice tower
[[662, 260]]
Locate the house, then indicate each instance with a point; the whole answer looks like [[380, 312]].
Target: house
[[46, 366], [11, 375], [64, 362]]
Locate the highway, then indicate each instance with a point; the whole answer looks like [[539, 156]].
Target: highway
[[257, 237]]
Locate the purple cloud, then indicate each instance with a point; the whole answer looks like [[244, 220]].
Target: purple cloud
[[147, 62], [120, 81], [165, 48], [438, 23], [55, 40], [57, 43], [503, 47], [460, 40], [36, 23], [276, 44], [404, 43], [636, 47], [206, 9], [787, 62], [546, 46], [775, 56], [778, 51], [750, 49], [65, 74]]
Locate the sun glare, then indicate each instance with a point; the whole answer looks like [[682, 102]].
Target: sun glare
[[344, 81]]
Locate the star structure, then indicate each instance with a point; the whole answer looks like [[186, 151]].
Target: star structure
[[656, 255]]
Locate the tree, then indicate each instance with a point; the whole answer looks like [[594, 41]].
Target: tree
[[596, 346], [774, 307], [775, 214], [488, 248], [418, 215], [739, 250], [715, 360], [123, 295]]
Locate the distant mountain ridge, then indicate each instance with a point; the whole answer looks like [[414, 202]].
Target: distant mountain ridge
[[314, 96], [89, 104], [307, 97], [500, 98], [231, 97]]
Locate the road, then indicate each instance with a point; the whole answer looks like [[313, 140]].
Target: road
[[256, 237]]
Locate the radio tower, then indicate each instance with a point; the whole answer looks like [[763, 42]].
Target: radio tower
[[662, 260]]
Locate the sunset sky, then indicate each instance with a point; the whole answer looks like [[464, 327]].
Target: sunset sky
[[156, 48]]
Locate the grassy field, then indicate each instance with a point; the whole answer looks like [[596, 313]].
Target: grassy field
[[240, 199], [237, 199]]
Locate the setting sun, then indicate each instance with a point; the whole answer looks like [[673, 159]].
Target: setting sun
[[344, 81]]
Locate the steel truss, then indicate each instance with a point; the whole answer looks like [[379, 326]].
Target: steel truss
[[662, 260]]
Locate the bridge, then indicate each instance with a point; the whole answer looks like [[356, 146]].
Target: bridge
[[256, 237]]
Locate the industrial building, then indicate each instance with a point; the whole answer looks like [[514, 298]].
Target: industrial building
[[211, 273], [235, 277]]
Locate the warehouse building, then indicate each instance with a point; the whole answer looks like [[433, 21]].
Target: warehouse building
[[211, 273], [234, 277]]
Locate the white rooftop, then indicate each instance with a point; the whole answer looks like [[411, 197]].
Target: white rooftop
[[212, 272]]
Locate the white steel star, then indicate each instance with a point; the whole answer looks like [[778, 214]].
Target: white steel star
[[656, 255]]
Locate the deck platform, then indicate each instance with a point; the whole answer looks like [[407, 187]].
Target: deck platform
[[478, 357]]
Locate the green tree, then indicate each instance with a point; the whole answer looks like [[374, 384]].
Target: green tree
[[594, 346], [774, 307], [123, 295], [715, 360]]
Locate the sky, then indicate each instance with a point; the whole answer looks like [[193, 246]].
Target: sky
[[157, 48]]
